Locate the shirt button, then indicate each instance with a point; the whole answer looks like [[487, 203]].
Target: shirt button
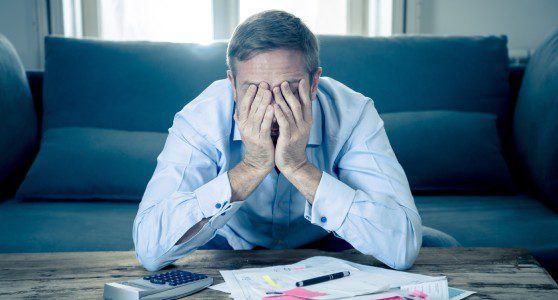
[[218, 205], [323, 219]]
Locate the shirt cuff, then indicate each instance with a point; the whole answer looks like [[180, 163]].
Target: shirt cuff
[[332, 202], [219, 220], [214, 196]]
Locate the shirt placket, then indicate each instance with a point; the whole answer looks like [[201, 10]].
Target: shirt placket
[[281, 210]]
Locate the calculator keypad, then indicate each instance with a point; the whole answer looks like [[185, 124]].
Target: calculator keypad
[[174, 278]]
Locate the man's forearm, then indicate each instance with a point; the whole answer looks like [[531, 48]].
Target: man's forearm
[[306, 179], [244, 179]]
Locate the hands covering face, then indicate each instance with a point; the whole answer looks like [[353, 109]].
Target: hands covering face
[[254, 116]]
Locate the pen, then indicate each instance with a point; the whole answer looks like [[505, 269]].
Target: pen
[[323, 278], [274, 293]]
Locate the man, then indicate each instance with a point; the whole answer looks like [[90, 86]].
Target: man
[[277, 157]]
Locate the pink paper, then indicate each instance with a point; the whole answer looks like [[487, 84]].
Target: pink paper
[[419, 294], [302, 293], [282, 298], [295, 294]]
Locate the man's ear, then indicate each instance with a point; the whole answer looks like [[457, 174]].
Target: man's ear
[[315, 78], [230, 76]]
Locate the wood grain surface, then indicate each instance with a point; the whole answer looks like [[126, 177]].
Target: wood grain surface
[[493, 273]]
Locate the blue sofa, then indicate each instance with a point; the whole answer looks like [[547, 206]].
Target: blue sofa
[[478, 139]]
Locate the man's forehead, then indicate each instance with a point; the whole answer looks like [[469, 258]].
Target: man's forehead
[[273, 67], [292, 82]]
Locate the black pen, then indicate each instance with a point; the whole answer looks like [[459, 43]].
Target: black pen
[[323, 278]]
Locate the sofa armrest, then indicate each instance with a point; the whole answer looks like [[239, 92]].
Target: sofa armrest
[[18, 121], [517, 71], [35, 78], [535, 126]]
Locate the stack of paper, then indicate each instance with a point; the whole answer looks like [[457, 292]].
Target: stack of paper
[[364, 282]]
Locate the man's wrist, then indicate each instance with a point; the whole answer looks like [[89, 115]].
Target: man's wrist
[[295, 168], [306, 179], [253, 170], [244, 178]]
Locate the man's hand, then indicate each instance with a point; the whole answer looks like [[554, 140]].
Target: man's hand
[[253, 116], [295, 121]]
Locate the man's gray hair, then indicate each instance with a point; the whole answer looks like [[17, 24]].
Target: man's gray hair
[[272, 30]]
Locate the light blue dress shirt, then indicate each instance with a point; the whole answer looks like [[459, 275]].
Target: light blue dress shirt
[[363, 196]]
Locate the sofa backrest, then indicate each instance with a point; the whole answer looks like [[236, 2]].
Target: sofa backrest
[[422, 73], [108, 105], [124, 85], [141, 85]]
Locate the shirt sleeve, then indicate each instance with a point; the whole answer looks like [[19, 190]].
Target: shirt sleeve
[[185, 188], [368, 202]]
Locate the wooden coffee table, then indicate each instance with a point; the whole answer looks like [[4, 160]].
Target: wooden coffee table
[[493, 273]]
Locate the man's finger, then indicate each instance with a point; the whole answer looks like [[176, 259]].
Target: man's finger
[[265, 129], [293, 101], [246, 102], [262, 87], [284, 126], [261, 111], [304, 95], [283, 105], [256, 103]]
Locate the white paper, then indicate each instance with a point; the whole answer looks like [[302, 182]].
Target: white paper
[[221, 287], [436, 290], [250, 284], [459, 294], [395, 279]]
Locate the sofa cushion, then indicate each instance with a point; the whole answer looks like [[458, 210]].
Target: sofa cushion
[[536, 120], [520, 221], [92, 163], [449, 151], [18, 121], [29, 226]]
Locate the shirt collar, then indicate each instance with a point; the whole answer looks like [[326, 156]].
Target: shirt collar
[[315, 132]]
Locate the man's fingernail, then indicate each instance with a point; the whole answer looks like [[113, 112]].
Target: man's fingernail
[[252, 87], [284, 84]]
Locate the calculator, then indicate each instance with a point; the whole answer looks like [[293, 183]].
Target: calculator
[[169, 285]]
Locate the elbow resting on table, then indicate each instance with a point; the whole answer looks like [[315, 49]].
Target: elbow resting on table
[[406, 262], [409, 247], [146, 255], [151, 264], [151, 260], [148, 260]]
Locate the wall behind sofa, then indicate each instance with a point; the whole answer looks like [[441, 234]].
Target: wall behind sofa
[[23, 22], [526, 22]]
